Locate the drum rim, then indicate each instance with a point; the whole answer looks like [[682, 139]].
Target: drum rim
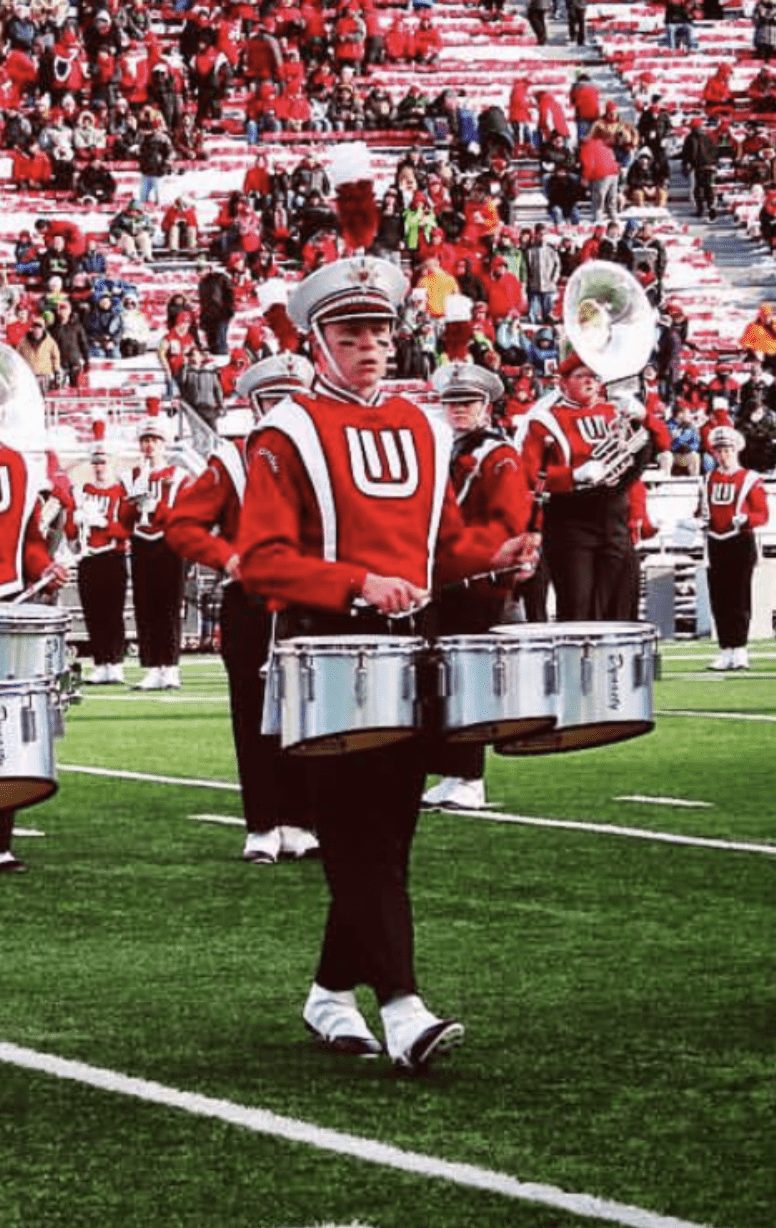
[[488, 639], [582, 632], [16, 616], [349, 645]]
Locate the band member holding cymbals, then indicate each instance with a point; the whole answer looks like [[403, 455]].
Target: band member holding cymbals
[[202, 527], [348, 499], [489, 485]]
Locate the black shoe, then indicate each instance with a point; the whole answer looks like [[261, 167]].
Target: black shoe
[[712, 215], [13, 865], [436, 1041]]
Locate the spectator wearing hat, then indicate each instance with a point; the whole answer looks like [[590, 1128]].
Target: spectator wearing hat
[[94, 528], [164, 94], [505, 291], [150, 491], [203, 527], [762, 90], [585, 529], [132, 229], [699, 159], [671, 338], [135, 329], [620, 135], [644, 184], [489, 485], [382, 550], [175, 345], [102, 324], [200, 386], [654, 131], [759, 336], [733, 505], [41, 353], [717, 95], [69, 334], [95, 184]]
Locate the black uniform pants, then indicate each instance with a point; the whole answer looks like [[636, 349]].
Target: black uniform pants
[[731, 563], [366, 807], [589, 553], [157, 589], [272, 784], [102, 587]]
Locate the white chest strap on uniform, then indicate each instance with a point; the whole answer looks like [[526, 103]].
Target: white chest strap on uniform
[[479, 455]]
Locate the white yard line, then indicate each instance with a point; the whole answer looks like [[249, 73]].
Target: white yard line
[[612, 829], [27, 832], [225, 820], [599, 829], [717, 716], [159, 697], [262, 1121], [700, 656], [663, 801]]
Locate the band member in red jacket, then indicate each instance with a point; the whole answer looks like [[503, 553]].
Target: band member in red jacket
[[202, 527], [348, 498], [733, 504], [23, 559], [576, 442], [487, 477], [93, 524], [150, 491]]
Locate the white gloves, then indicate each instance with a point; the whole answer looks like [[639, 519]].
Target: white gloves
[[740, 520], [592, 473]]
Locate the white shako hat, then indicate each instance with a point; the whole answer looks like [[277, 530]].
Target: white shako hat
[[726, 437], [279, 375], [356, 288], [155, 422], [465, 381]]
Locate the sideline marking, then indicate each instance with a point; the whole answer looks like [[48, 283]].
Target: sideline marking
[[160, 697], [27, 832], [601, 829], [262, 1121], [716, 716], [150, 777], [663, 801], [226, 820]]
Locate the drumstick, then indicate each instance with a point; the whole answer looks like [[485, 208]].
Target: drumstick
[[32, 589]]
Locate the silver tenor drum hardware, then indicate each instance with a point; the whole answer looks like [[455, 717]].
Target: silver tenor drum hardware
[[485, 688], [605, 673], [32, 642], [339, 694]]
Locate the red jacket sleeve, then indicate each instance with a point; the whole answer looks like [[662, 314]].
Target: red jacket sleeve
[[36, 557], [540, 455], [198, 510], [756, 506]]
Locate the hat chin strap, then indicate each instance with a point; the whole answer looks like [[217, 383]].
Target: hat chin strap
[[332, 365]]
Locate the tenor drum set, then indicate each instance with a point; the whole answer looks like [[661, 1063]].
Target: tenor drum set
[[37, 684], [526, 689]]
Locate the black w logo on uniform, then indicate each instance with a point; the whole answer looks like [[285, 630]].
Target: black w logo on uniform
[[593, 428]]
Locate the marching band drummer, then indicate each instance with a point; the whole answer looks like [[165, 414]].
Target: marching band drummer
[[151, 489], [734, 504], [586, 536], [269, 782], [93, 523], [348, 498], [23, 554], [489, 485]]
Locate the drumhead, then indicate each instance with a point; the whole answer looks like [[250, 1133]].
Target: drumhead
[[572, 632], [19, 791], [350, 741], [576, 737], [39, 619], [349, 645]]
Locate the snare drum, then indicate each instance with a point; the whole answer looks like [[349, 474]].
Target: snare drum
[[339, 694], [27, 726], [490, 687], [605, 674], [32, 642]]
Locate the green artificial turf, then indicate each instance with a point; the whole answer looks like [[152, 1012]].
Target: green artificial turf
[[617, 993]]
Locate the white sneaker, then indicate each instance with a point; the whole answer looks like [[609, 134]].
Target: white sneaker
[[152, 681], [171, 677], [723, 661], [98, 675], [740, 658], [297, 842], [262, 847], [437, 795], [336, 1022], [465, 795], [115, 673], [413, 1035]]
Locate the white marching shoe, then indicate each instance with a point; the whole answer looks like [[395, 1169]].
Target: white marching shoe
[[437, 795], [723, 661], [99, 675], [297, 842], [171, 677], [413, 1035], [115, 673], [464, 794], [152, 681], [740, 658], [336, 1022], [262, 847]]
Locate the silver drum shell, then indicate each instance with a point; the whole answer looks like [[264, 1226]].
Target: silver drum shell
[[32, 642], [27, 729]]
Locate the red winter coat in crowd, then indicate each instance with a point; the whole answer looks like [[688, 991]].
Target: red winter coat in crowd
[[597, 160], [520, 103]]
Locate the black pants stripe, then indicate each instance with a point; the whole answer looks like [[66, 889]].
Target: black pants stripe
[[157, 588], [102, 587], [731, 564]]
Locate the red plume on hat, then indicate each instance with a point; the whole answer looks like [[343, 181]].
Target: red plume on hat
[[352, 178], [273, 298], [98, 447], [153, 406], [459, 329]]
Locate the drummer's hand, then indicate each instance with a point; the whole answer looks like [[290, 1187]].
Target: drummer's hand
[[392, 595], [58, 577], [232, 567], [522, 552]]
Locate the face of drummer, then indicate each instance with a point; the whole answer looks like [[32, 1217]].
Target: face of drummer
[[582, 386], [359, 350], [465, 416], [152, 449]]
